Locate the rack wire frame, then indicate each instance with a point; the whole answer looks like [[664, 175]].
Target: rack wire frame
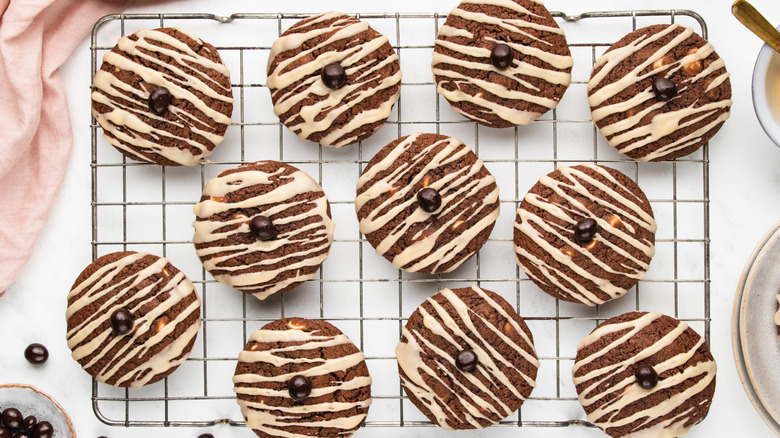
[[557, 317]]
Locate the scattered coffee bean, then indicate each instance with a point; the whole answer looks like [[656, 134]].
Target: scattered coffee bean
[[36, 354]]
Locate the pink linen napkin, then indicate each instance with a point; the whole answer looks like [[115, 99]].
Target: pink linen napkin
[[36, 37]]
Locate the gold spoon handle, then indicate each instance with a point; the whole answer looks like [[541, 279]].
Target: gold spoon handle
[[753, 20]]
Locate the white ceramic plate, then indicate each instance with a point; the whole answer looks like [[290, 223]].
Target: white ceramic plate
[[31, 401], [754, 333]]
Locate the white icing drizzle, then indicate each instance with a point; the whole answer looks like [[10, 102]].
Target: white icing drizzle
[[124, 123], [446, 56], [424, 252], [627, 135], [605, 402], [365, 79], [258, 391], [635, 229], [477, 403], [257, 267], [93, 340]]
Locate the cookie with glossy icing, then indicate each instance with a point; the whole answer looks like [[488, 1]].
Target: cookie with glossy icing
[[501, 63], [644, 374], [350, 99], [300, 377], [777, 317], [163, 318], [426, 235], [466, 359], [263, 228], [163, 96], [585, 234], [649, 123]]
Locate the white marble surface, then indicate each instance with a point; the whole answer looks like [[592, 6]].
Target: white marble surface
[[745, 182]]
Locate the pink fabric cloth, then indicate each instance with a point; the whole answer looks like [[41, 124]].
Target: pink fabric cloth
[[36, 37]]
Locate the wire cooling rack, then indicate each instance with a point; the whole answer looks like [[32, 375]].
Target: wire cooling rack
[[145, 207]]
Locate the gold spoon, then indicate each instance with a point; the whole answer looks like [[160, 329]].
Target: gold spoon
[[753, 20]]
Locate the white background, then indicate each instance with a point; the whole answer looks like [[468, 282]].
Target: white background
[[745, 184]]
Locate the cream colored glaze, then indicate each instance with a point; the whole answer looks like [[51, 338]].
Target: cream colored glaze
[[514, 73], [109, 90], [286, 246], [629, 392], [401, 180], [667, 122], [273, 420], [629, 211], [102, 341], [472, 406], [320, 116]]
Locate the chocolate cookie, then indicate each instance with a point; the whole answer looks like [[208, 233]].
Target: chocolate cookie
[[300, 377], [163, 96], [777, 317], [466, 359], [585, 234], [659, 93], [501, 63], [333, 79], [644, 374], [132, 318], [263, 228], [426, 203]]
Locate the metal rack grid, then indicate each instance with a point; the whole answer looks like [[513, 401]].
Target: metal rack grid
[[679, 193]]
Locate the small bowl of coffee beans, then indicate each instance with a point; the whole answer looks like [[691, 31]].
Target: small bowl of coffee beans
[[27, 412]]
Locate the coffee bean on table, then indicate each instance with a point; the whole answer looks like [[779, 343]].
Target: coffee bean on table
[[36, 354]]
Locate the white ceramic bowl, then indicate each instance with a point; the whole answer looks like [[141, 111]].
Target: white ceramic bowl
[[32, 401], [764, 73]]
